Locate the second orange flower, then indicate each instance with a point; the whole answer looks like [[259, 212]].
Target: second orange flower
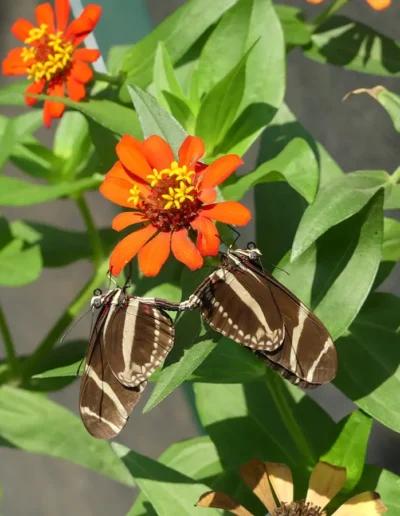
[[170, 198]]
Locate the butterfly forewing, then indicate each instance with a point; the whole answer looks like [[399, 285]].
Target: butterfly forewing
[[104, 403], [239, 304], [308, 356], [138, 337]]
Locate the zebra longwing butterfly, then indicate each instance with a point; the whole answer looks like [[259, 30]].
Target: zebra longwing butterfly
[[129, 340], [247, 304]]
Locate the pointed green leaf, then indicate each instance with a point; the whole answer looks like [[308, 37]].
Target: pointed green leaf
[[19, 265], [390, 249], [15, 192], [384, 482], [296, 164], [168, 490], [373, 341], [180, 110], [32, 423], [335, 203], [156, 120], [13, 94], [350, 448], [294, 26], [164, 76]]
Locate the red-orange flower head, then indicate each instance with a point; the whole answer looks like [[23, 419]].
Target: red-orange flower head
[[169, 198], [378, 5], [50, 56]]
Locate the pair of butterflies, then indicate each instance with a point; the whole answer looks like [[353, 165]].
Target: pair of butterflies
[[242, 301]]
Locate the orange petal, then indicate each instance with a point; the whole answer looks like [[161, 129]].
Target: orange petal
[[229, 212], [87, 54], [52, 110], [117, 190], [185, 251], [254, 473], [84, 25], [35, 88], [21, 28], [81, 72], [208, 195], [62, 14], [281, 479], [315, 1], [44, 14], [118, 170], [218, 171], [13, 64], [379, 5], [207, 241], [130, 154], [128, 248], [158, 153], [154, 254], [364, 504], [191, 151], [220, 500], [76, 90], [128, 218]]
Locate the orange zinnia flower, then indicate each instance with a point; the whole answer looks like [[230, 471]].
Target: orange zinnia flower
[[51, 57], [170, 198], [378, 5]]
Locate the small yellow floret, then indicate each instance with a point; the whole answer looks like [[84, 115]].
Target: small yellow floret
[[135, 195]]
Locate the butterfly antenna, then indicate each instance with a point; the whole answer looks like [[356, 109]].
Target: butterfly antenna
[[238, 235], [73, 326], [128, 283], [111, 280]]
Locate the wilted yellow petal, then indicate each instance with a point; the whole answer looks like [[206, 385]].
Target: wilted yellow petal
[[254, 473], [364, 504], [281, 480], [220, 500], [325, 482]]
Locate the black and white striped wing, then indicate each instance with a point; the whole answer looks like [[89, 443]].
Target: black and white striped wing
[[138, 337], [238, 303], [308, 356], [104, 404]]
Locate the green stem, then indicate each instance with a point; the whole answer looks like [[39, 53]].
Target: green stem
[[395, 177], [328, 12], [42, 352], [97, 247], [8, 344], [104, 77], [275, 384]]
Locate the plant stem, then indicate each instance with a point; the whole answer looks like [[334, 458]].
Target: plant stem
[[42, 352], [395, 177], [104, 77], [328, 12], [8, 344], [97, 247]]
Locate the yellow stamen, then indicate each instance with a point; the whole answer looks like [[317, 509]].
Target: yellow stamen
[[177, 196], [135, 195], [52, 54], [175, 171]]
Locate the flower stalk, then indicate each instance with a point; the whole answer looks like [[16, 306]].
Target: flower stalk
[[9, 345]]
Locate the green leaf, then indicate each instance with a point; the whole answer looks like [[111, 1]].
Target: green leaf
[[155, 120], [352, 45], [26, 124], [34, 424], [283, 423], [334, 276], [296, 164], [390, 249], [15, 192], [63, 357], [335, 203], [180, 110], [392, 200], [195, 344], [178, 32], [7, 142], [196, 458], [60, 247], [294, 26], [220, 105], [350, 448], [386, 483], [265, 68], [390, 101], [19, 265], [13, 94], [164, 76], [168, 490], [114, 117], [374, 342], [37, 161]]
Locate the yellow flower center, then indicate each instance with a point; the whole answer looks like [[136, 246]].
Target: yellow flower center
[[135, 195], [49, 54], [181, 188]]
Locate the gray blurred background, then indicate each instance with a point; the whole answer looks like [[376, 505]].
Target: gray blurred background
[[358, 134]]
